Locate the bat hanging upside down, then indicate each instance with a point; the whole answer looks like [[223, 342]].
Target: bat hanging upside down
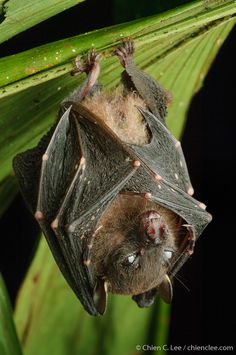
[[110, 189]]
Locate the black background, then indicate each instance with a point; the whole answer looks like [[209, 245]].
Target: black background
[[204, 314]]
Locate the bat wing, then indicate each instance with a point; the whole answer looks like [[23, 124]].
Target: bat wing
[[83, 167], [165, 176], [163, 155]]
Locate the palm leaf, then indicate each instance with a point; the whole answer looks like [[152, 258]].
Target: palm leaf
[[9, 343], [17, 15]]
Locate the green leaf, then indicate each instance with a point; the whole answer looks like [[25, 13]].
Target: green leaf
[[163, 31], [9, 343], [18, 15]]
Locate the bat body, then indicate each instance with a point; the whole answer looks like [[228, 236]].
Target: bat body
[[110, 189]]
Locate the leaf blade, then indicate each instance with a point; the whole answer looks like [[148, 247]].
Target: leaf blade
[[9, 343], [59, 53], [21, 15]]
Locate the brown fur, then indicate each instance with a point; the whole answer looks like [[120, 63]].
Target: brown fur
[[120, 113], [118, 237]]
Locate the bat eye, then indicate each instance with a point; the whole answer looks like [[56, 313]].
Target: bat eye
[[168, 254], [132, 260]]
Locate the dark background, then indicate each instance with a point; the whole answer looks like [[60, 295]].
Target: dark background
[[206, 313]]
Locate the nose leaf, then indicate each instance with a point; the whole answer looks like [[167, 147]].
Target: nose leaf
[[152, 227]]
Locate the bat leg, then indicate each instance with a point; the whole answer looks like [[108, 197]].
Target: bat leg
[[92, 68], [134, 79]]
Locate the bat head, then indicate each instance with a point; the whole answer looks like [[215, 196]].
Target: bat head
[[133, 250]]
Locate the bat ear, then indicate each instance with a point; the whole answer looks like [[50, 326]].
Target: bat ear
[[100, 295], [165, 290]]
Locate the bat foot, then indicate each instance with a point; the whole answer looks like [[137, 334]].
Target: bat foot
[[125, 52], [90, 65]]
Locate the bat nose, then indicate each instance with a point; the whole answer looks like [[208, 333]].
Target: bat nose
[[153, 227]]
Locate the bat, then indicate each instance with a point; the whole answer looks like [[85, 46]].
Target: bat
[[110, 189]]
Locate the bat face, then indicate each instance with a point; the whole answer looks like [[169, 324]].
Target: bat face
[[134, 246], [110, 189]]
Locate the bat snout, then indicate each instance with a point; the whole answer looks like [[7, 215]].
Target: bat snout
[[153, 228]]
